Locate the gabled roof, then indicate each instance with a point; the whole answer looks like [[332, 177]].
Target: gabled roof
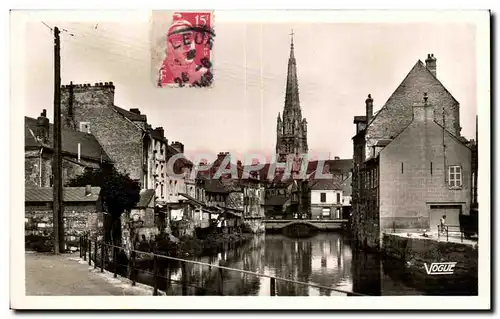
[[70, 194], [89, 146], [325, 184], [131, 115], [420, 80], [146, 197], [340, 165]]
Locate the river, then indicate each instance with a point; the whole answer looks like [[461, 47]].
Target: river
[[326, 259]]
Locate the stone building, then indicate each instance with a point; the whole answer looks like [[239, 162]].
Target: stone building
[[133, 145], [291, 128], [326, 199], [83, 209], [397, 112], [123, 134], [405, 160], [424, 173], [80, 151]]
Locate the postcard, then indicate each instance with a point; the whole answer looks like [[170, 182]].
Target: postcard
[[308, 159]]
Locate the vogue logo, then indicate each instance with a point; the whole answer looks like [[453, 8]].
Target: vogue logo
[[446, 268]]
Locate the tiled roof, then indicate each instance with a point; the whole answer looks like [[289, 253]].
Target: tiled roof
[[171, 151], [417, 82], [192, 199], [342, 165], [89, 146], [70, 194], [146, 197], [130, 115], [325, 184]]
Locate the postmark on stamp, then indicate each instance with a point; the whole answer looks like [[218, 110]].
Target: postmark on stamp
[[188, 48]]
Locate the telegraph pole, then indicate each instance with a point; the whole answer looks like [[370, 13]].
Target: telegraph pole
[[58, 208]]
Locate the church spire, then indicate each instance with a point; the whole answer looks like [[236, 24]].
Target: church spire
[[292, 85], [291, 128]]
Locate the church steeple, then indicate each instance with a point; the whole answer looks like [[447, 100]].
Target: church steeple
[[291, 128], [292, 85]]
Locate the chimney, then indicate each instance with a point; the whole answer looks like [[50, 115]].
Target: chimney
[[430, 63], [337, 158], [423, 111], [222, 155], [159, 132], [178, 146], [369, 108], [88, 190], [42, 127], [135, 111]]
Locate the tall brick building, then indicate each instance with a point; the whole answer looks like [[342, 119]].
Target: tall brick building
[[410, 163]]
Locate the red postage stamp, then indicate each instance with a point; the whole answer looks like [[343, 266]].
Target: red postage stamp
[[189, 42]]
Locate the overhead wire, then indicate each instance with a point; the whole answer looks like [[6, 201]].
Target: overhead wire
[[252, 74]]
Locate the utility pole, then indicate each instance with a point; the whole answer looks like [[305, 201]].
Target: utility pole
[[58, 209]]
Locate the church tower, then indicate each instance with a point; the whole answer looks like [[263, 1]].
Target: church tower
[[291, 130]]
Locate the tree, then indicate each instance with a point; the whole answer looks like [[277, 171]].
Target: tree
[[119, 192]]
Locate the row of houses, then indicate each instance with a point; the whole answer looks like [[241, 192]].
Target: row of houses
[[96, 133], [411, 164]]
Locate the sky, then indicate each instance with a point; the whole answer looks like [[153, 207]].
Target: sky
[[338, 65]]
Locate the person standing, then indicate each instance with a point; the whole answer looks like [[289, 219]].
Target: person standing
[[443, 224]]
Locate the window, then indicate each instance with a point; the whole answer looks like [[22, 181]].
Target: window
[[338, 198], [431, 168], [161, 188], [323, 197], [85, 127], [455, 176], [401, 168]]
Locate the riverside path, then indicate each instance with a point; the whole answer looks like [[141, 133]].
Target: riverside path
[[67, 275]]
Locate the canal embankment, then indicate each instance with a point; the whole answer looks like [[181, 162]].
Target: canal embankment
[[455, 269]]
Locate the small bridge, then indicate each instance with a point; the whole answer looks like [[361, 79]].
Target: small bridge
[[320, 224]]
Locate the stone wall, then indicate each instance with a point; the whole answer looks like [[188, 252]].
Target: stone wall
[[254, 226], [415, 252], [78, 219], [37, 173], [120, 138], [413, 175], [183, 228]]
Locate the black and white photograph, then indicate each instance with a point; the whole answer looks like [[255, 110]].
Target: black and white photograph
[[331, 156]]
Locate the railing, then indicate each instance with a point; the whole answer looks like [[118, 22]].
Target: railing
[[445, 229], [86, 246]]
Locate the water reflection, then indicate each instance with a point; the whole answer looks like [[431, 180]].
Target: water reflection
[[325, 259]]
